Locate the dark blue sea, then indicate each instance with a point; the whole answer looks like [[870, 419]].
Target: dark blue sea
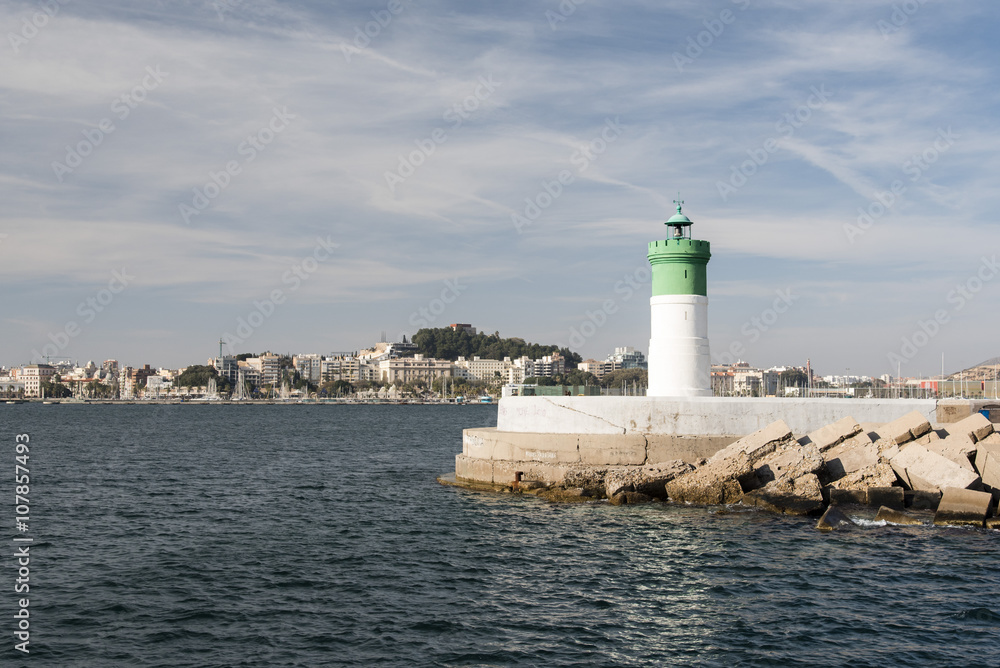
[[317, 536]]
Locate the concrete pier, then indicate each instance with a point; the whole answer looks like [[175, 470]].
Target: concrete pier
[[551, 439]]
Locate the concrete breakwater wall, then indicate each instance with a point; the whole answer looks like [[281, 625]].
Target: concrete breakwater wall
[[902, 462], [548, 438], [693, 416]]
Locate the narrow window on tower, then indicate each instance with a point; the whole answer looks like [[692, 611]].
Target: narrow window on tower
[[685, 273]]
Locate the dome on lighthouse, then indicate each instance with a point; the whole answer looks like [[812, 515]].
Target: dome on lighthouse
[[678, 218]]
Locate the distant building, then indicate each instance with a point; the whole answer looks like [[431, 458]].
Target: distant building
[[627, 357], [309, 366], [468, 329], [409, 369], [33, 375]]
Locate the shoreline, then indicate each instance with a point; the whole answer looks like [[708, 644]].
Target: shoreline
[[247, 402]]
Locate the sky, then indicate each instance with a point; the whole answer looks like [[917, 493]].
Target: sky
[[303, 176]]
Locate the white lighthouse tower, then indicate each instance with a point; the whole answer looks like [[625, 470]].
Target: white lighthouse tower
[[679, 361]]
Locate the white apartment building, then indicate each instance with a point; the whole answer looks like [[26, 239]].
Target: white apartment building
[[408, 369], [33, 375], [309, 366]]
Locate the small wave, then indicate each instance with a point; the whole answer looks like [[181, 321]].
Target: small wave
[[983, 615], [860, 521]]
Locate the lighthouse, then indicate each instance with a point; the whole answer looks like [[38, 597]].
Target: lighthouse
[[679, 362]]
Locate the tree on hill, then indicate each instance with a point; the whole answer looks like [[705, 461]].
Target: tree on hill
[[197, 375], [615, 378], [448, 344]]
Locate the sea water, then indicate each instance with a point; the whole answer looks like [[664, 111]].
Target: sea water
[[316, 535]]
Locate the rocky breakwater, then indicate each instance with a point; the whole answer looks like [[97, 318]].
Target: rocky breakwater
[[899, 465]]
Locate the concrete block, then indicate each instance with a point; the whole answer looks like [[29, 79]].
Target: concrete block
[[472, 468], [886, 496], [668, 447], [612, 449], [990, 471], [850, 456], [921, 500], [930, 437], [834, 518], [957, 448], [880, 475], [993, 523], [548, 448], [948, 411], [848, 497], [758, 444], [650, 480], [893, 516], [986, 450], [789, 460], [905, 429], [552, 474], [922, 469], [976, 427], [963, 507], [826, 437], [801, 496]]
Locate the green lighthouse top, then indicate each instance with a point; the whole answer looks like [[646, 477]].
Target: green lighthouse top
[[679, 224]]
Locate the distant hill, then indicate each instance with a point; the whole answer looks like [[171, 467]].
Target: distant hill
[[444, 343], [987, 370]]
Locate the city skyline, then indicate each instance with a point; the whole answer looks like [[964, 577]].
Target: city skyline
[[333, 172]]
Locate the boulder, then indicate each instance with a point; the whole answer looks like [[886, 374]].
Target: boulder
[[827, 437], [965, 507], [920, 468], [630, 499], [893, 516], [590, 478], [910, 426], [976, 427], [719, 480], [647, 479], [801, 496], [833, 518], [560, 494]]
